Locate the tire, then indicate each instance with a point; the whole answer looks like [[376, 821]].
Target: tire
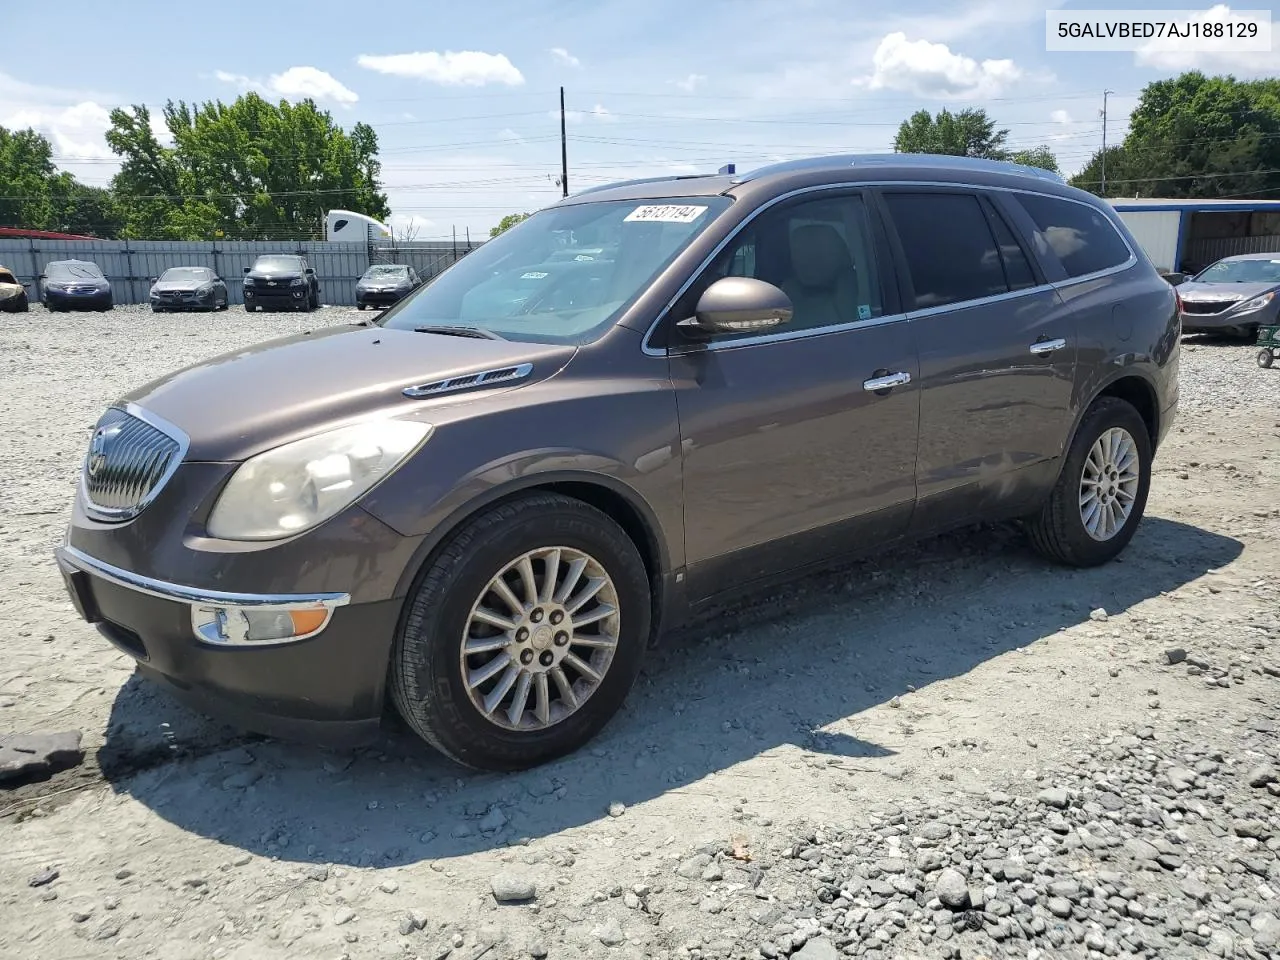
[[359, 306], [427, 684], [1265, 359], [24, 305], [1058, 531], [1249, 333]]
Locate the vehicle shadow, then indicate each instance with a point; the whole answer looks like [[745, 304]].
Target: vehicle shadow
[[745, 682]]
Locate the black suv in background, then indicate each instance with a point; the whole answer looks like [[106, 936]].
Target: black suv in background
[[279, 281], [484, 506]]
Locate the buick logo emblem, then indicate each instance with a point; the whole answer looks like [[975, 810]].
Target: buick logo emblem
[[97, 461]]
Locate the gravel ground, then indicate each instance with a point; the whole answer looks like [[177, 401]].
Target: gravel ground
[[954, 751]]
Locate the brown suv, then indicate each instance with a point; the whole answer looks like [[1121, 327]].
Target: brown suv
[[484, 506]]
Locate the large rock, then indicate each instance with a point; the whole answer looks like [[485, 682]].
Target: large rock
[[952, 889], [31, 756], [512, 888], [819, 948]]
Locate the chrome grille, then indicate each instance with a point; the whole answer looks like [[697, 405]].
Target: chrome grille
[[128, 462]]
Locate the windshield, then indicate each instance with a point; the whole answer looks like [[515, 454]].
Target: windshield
[[176, 274], [277, 263], [564, 274], [75, 270], [1242, 271], [386, 271]]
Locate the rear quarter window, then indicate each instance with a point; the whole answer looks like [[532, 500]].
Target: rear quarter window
[[1082, 238]]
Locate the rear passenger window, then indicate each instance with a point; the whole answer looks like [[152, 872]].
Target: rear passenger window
[[1082, 238], [950, 251], [1017, 271]]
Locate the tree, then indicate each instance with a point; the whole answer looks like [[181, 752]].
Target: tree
[[250, 169], [969, 133], [507, 222], [26, 171], [1195, 136], [1040, 156]]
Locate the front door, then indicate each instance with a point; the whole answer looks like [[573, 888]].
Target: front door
[[799, 444], [997, 357]]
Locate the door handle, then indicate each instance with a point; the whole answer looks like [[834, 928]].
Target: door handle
[[887, 382], [1047, 346]]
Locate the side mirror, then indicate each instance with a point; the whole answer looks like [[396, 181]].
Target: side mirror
[[1175, 278], [311, 271], [739, 305], [246, 269]]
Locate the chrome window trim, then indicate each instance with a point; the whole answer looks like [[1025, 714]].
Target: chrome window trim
[[649, 350], [69, 556], [980, 302], [172, 431]]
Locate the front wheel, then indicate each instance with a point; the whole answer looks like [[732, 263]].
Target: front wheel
[[1265, 359], [1101, 494], [524, 634]]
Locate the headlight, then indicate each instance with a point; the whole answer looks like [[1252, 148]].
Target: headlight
[[248, 281], [301, 484], [204, 289], [1257, 303], [296, 282], [55, 286]]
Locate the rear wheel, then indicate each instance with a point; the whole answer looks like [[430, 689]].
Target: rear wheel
[[524, 635], [1101, 494], [1265, 358]]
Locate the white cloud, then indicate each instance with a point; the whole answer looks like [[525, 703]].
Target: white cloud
[[506, 133], [1199, 53], [933, 70], [296, 83], [410, 226], [469, 68], [74, 122], [1060, 116], [691, 82], [565, 57]]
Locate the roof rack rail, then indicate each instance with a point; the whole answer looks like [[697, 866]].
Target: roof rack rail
[[903, 159], [639, 180]]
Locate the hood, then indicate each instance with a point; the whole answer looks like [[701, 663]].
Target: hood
[[77, 282], [1223, 292], [273, 274], [172, 286], [239, 404]]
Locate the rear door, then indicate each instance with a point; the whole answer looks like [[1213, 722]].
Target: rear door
[[997, 356], [800, 444]]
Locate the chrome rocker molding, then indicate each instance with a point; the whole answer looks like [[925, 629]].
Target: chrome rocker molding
[[70, 557]]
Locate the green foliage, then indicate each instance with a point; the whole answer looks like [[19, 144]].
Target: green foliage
[[245, 171], [507, 222], [1195, 136], [969, 133], [1041, 157]]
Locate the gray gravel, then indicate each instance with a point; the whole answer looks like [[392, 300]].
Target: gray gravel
[[936, 753]]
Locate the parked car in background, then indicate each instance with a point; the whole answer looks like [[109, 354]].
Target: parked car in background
[[188, 288], [279, 281], [13, 295], [486, 504], [74, 285], [384, 284], [1236, 295]]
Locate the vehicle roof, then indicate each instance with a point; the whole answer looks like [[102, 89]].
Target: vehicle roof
[[1220, 205], [188, 266], [59, 263], [842, 168], [1274, 255]]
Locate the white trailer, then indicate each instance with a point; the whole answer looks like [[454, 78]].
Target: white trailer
[[344, 225], [1185, 236]]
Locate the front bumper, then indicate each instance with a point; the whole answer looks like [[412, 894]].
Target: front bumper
[[165, 304], [78, 301], [279, 297], [379, 298], [326, 689], [1207, 322]]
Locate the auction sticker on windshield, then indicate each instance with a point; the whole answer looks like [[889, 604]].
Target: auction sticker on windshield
[[665, 213]]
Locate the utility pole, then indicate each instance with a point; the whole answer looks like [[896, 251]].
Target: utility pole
[[1105, 94], [564, 151]]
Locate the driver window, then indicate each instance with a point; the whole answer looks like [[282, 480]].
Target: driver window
[[818, 251]]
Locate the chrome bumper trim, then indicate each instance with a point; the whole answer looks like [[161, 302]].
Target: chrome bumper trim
[[68, 556]]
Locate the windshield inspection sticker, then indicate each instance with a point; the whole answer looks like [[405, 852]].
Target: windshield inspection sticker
[[665, 213], [533, 275]]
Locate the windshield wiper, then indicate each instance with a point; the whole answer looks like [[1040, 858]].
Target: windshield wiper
[[478, 333]]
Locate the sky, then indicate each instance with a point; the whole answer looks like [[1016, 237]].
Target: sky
[[464, 97]]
